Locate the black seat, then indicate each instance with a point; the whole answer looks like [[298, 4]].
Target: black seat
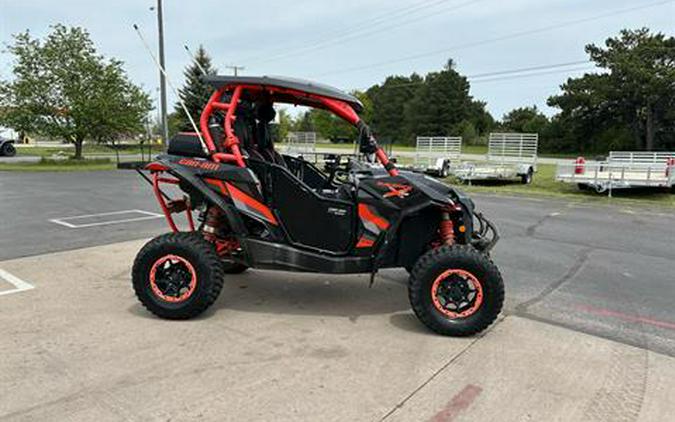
[[244, 129], [265, 114], [186, 144]]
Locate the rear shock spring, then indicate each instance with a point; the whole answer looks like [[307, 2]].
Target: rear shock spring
[[212, 224], [215, 231]]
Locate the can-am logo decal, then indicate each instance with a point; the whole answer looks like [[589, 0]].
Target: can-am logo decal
[[340, 212], [206, 165], [398, 190]]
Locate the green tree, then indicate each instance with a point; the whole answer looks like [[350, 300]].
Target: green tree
[[388, 104], [284, 126], [440, 105], [367, 113], [330, 126], [303, 123], [64, 89], [525, 120], [120, 107], [194, 93], [636, 94]]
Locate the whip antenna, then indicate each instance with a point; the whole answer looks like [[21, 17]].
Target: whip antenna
[[175, 91], [194, 60]]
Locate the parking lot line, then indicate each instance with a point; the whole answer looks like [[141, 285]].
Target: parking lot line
[[70, 222], [19, 285]]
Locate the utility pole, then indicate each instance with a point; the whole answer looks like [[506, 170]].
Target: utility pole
[[162, 79], [235, 68]]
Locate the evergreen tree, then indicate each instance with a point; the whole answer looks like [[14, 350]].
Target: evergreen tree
[[525, 120], [635, 95], [440, 105], [194, 93], [388, 103]]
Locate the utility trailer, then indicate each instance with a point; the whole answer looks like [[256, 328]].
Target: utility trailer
[[651, 158], [510, 156], [621, 170], [301, 143], [436, 155]]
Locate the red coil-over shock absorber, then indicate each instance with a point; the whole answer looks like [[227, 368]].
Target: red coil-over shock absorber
[[213, 232], [447, 229], [212, 222]]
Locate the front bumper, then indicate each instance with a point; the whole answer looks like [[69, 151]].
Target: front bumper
[[485, 235]]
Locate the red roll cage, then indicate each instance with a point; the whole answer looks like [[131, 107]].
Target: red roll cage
[[231, 144]]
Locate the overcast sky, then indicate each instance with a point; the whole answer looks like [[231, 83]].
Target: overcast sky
[[354, 43]]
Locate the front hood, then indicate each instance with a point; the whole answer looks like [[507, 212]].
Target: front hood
[[438, 190]]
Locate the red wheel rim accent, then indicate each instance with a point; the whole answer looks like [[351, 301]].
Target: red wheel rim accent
[[173, 259], [477, 299]]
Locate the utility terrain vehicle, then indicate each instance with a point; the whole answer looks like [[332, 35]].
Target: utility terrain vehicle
[[254, 208]]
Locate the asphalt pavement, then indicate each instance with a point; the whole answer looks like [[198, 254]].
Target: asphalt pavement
[[604, 270], [76, 345], [588, 321]]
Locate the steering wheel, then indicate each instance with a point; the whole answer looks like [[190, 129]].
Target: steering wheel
[[333, 169]]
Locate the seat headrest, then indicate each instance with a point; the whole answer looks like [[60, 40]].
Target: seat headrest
[[265, 112]]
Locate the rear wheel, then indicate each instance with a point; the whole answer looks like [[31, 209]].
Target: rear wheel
[[177, 275], [456, 290], [526, 179]]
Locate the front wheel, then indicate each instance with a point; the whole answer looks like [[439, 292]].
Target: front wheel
[[456, 290], [177, 275]]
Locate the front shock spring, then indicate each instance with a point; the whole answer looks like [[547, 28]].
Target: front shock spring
[[447, 229]]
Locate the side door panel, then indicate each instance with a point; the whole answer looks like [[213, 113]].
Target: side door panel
[[311, 220]]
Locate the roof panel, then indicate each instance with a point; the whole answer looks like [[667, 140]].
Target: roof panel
[[218, 81]]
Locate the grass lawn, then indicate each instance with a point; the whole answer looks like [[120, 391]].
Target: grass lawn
[[466, 149], [60, 165], [545, 185], [87, 149]]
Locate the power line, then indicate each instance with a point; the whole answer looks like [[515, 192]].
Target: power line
[[522, 72], [365, 23], [496, 39], [528, 75], [528, 69], [354, 35]]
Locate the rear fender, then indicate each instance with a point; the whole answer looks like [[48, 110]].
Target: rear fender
[[184, 175]]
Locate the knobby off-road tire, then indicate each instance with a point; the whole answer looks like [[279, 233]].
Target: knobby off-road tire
[[192, 257], [464, 260]]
